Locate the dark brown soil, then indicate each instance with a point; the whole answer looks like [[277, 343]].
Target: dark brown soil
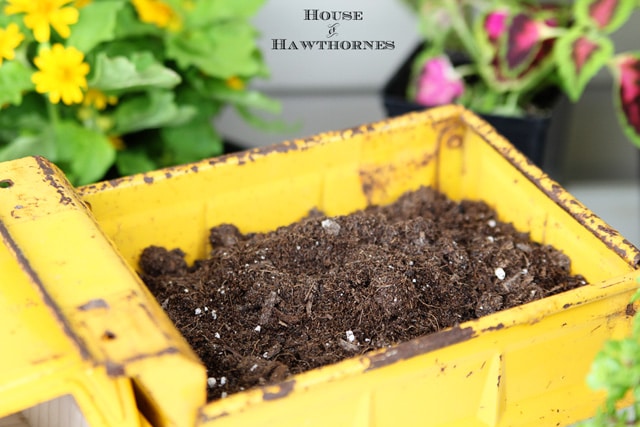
[[267, 306]]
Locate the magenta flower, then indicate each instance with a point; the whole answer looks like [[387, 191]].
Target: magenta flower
[[495, 24], [439, 83]]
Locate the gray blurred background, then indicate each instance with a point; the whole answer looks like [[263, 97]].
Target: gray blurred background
[[334, 90]]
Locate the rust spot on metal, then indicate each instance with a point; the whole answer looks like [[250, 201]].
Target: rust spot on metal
[[109, 335], [206, 418], [375, 180], [50, 177], [278, 391], [450, 132], [142, 356], [497, 327], [114, 369], [93, 304], [148, 179], [630, 310], [420, 345]]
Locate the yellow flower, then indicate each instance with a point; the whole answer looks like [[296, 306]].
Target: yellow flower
[[40, 14], [117, 143], [62, 74], [81, 3], [98, 99], [235, 83], [10, 39], [158, 13]]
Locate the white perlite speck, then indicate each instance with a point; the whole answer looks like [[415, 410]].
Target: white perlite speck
[[254, 367], [198, 311], [500, 274], [211, 382], [350, 336], [223, 380], [331, 227], [492, 223], [214, 314], [257, 328], [217, 335]]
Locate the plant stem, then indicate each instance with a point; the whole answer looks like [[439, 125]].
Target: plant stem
[[456, 13], [54, 114], [512, 100]]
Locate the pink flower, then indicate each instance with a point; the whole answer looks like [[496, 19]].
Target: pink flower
[[439, 83], [495, 24]]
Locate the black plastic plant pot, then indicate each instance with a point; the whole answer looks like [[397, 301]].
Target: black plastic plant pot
[[527, 134]]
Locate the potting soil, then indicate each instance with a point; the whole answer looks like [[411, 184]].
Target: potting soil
[[267, 306]]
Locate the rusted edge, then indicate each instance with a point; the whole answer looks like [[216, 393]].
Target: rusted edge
[[49, 302], [555, 192], [419, 346], [165, 351], [282, 389], [204, 418], [50, 177], [497, 327]]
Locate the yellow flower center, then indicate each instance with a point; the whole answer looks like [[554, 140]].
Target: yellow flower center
[[235, 83]]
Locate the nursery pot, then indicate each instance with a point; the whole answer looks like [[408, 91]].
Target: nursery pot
[[103, 339], [528, 134]]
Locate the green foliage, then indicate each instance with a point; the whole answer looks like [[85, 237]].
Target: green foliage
[[159, 71], [515, 50]]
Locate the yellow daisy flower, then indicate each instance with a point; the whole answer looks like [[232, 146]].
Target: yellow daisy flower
[[40, 14], [98, 99], [62, 74], [158, 13], [235, 83], [10, 39]]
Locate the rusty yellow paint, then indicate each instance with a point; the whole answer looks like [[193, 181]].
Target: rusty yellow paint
[[524, 366], [80, 321]]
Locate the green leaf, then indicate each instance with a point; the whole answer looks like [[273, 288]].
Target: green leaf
[[223, 50], [15, 78], [191, 142], [139, 71], [96, 24], [29, 145], [153, 109], [28, 117], [266, 124], [84, 154], [132, 161], [218, 90], [579, 57], [207, 12], [606, 15]]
